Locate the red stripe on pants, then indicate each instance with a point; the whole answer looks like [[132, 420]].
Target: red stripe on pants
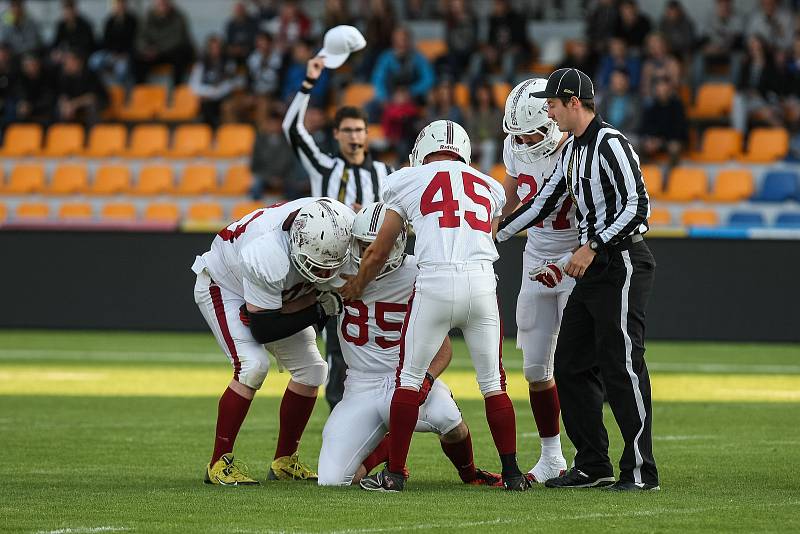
[[403, 335], [219, 310], [502, 371]]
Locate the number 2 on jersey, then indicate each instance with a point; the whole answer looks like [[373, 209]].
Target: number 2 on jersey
[[448, 205], [561, 221]]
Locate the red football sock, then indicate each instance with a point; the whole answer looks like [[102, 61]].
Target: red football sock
[[461, 455], [502, 423], [402, 420], [294, 414], [230, 416], [378, 456], [545, 407]]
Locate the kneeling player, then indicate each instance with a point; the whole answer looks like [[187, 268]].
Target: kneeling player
[[369, 333], [256, 287]]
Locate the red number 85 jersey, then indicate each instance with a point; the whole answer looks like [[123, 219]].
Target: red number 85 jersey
[[369, 328]]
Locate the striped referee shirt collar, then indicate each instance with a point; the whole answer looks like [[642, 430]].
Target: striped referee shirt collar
[[366, 164], [590, 132]]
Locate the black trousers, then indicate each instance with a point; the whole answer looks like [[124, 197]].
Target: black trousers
[[601, 342], [337, 369]]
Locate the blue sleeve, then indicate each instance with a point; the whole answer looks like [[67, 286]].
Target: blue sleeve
[[426, 77], [380, 74]]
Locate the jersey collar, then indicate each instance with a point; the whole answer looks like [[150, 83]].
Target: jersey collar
[[590, 132]]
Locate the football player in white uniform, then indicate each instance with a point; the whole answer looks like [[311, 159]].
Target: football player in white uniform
[[259, 290], [369, 334], [530, 152], [454, 210]]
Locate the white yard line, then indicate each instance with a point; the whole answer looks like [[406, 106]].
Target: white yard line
[[84, 530]]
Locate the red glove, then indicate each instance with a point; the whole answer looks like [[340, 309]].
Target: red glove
[[425, 388], [550, 274], [244, 315]]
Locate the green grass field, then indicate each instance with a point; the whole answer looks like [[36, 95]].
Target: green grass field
[[110, 432]]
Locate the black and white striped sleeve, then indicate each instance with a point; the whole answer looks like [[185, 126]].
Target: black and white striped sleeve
[[632, 202], [314, 161], [546, 201]]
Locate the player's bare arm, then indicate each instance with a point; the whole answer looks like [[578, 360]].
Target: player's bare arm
[[512, 200], [374, 257], [442, 359]]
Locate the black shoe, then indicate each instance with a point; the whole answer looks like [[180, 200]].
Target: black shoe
[[632, 486], [384, 481], [516, 482], [575, 478]]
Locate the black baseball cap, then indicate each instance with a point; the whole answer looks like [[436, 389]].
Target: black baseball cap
[[568, 82]]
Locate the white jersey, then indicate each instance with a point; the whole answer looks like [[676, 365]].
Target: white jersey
[[556, 235], [451, 207], [250, 257], [369, 328]]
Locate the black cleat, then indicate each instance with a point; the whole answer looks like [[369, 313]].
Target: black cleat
[[384, 481], [516, 482], [632, 486], [575, 478]]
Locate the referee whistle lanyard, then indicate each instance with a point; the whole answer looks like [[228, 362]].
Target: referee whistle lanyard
[[343, 183]]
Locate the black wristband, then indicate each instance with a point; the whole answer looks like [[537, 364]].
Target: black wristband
[[310, 81]]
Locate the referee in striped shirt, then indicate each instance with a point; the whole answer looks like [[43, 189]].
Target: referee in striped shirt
[[351, 176], [601, 342]]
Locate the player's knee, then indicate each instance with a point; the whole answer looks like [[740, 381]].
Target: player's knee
[[314, 374], [458, 434], [253, 372], [489, 384], [537, 373], [332, 475]]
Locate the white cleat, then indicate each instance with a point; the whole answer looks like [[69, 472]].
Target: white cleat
[[548, 467]]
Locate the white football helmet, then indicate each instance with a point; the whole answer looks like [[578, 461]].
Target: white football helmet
[[366, 225], [319, 239], [527, 115], [439, 136]]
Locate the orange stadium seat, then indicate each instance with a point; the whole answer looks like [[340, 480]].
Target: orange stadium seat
[[111, 180], [184, 107], [106, 140], [713, 101], [500, 92], [461, 95], [144, 103], [197, 180], [148, 140], [376, 134], [22, 140], [766, 145], [162, 212], [659, 217], [498, 172], [719, 145], [63, 140], [732, 185], [116, 101], [243, 208], [33, 210], [432, 48], [69, 179], [237, 181], [154, 180], [25, 179], [118, 211], [205, 211], [686, 184], [653, 180], [233, 141], [75, 211], [699, 218], [3, 212], [190, 140], [358, 94]]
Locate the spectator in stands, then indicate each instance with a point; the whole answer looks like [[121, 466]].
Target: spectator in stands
[[420, 10], [601, 24], [80, 95], [19, 30], [634, 26], [579, 56], [164, 38], [759, 87], [264, 69], [664, 128], [400, 121], [773, 24], [618, 57], [214, 79], [272, 162], [508, 36], [678, 29], [720, 41], [265, 11], [290, 26], [336, 13], [400, 65], [483, 124], [620, 106], [658, 63], [380, 22], [113, 60], [461, 35], [240, 33], [73, 32], [35, 98], [295, 73], [8, 75], [441, 104]]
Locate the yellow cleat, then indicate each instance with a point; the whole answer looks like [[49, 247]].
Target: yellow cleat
[[290, 468], [228, 472]]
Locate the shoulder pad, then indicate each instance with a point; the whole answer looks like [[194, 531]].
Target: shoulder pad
[[265, 258]]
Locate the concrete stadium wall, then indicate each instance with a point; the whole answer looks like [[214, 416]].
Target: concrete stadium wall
[[705, 289]]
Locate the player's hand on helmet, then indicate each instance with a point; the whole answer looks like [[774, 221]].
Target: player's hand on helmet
[[314, 67], [331, 303], [425, 388]]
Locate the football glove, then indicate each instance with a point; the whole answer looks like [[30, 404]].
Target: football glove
[[331, 303], [244, 315], [425, 388], [551, 274]]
